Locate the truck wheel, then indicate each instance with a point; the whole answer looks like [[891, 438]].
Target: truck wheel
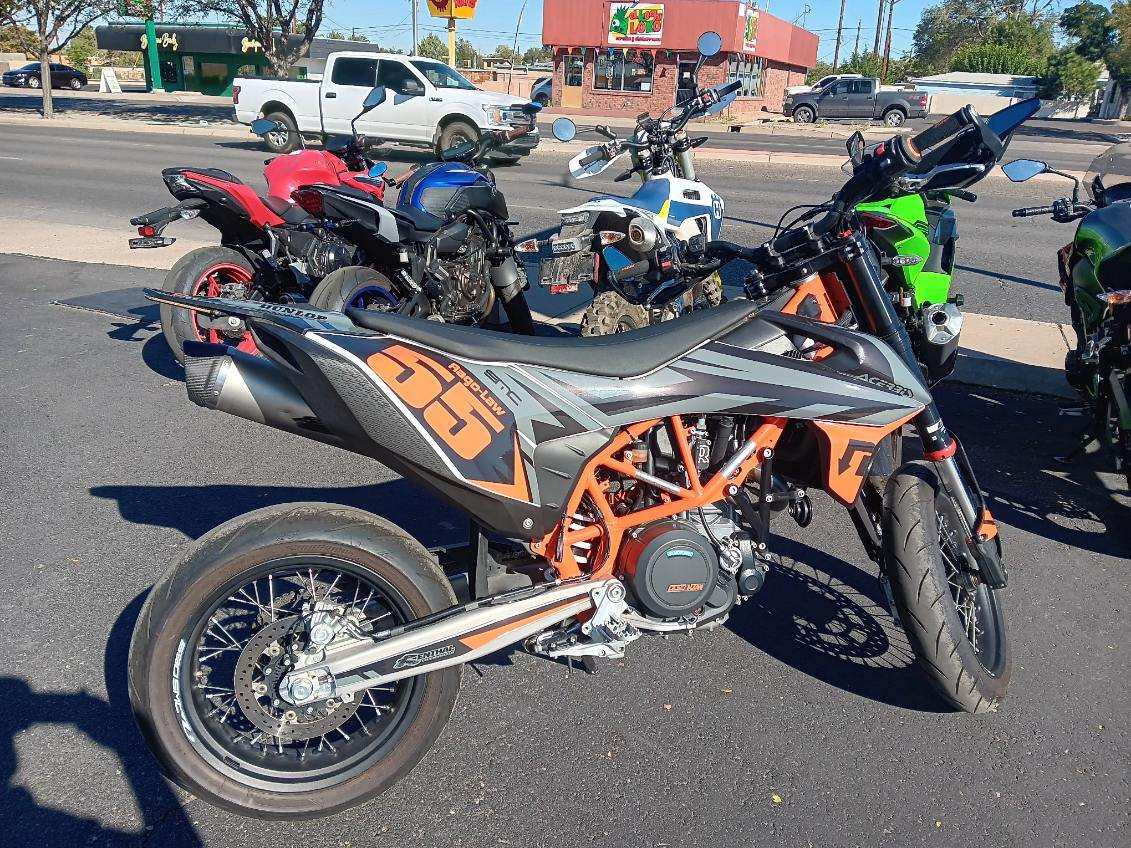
[[280, 142], [542, 100], [894, 117], [457, 132], [804, 115]]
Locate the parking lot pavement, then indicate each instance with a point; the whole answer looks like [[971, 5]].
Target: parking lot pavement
[[800, 722]]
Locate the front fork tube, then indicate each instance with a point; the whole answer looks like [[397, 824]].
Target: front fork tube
[[877, 314]]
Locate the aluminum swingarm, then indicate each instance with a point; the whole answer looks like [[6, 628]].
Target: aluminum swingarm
[[348, 663]]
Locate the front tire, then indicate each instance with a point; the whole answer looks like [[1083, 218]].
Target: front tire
[[457, 132], [200, 734], [609, 313], [34, 82], [75, 84], [280, 142], [953, 620], [804, 115], [212, 272]]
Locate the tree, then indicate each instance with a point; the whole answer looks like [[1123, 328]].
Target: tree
[[535, 55], [272, 23], [951, 25], [1070, 75], [996, 59], [48, 27], [336, 35], [14, 39], [466, 54], [1090, 26], [82, 50], [505, 51], [432, 47]]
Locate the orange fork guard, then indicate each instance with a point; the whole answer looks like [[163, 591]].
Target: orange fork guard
[[987, 527]]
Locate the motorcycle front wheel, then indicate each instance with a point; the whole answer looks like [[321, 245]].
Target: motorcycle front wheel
[[953, 620], [222, 626]]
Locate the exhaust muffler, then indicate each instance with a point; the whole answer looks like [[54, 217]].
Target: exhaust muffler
[[251, 387]]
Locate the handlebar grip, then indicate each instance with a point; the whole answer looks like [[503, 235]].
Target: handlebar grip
[[943, 130], [595, 156], [1030, 211], [517, 132]]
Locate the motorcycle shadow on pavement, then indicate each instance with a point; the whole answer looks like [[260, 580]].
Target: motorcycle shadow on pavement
[[827, 618], [110, 725], [1014, 440]]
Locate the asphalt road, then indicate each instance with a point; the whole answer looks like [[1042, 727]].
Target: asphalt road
[[100, 179], [801, 722], [1067, 145]]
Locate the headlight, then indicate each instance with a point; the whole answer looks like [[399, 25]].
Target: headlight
[[494, 114]]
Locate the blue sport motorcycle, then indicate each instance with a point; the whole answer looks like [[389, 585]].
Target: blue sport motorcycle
[[443, 252]]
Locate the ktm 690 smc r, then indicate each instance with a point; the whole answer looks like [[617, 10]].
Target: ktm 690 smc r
[[270, 249], [300, 659]]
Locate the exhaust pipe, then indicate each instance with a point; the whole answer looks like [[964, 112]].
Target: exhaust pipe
[[251, 387]]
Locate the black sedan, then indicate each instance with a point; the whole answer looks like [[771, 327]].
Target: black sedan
[[30, 76]]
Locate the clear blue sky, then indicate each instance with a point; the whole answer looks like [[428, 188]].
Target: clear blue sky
[[389, 22]]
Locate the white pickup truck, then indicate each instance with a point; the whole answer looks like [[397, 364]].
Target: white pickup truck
[[430, 104]]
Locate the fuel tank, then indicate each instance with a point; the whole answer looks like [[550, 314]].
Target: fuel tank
[[446, 189]]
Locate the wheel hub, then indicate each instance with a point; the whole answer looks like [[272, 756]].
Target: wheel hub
[[264, 661]]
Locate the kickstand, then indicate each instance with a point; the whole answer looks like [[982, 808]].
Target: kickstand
[[1088, 438]]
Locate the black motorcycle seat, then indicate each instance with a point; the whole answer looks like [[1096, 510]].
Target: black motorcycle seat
[[216, 173], [421, 221], [628, 354], [287, 211]]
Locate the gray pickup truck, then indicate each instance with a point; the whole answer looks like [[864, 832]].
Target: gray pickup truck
[[856, 99]]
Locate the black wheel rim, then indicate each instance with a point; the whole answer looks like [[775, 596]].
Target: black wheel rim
[[976, 605], [214, 704]]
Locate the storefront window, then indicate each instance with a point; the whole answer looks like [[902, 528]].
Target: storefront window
[[623, 71], [748, 71]]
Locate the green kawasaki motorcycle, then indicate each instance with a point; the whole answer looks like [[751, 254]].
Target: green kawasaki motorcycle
[[915, 230], [1095, 276]]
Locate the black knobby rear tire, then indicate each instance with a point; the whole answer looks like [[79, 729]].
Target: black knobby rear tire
[[187, 277], [610, 313], [970, 679], [223, 558], [354, 285], [276, 142]]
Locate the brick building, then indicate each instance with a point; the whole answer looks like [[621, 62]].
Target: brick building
[[615, 58]]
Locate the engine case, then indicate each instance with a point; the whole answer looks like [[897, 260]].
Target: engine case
[[669, 567]]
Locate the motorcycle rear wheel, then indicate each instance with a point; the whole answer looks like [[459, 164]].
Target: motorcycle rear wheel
[[205, 271], [209, 716], [953, 620]]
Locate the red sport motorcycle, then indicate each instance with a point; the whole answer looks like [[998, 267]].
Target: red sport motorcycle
[[270, 249]]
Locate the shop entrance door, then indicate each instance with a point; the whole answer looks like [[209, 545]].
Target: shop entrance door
[[685, 82], [574, 74]]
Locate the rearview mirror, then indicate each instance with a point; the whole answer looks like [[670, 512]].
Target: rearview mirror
[[378, 170], [855, 145], [564, 129], [263, 126], [710, 43], [1020, 170], [373, 99]]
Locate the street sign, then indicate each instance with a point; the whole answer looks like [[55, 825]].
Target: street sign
[[109, 84], [463, 9]]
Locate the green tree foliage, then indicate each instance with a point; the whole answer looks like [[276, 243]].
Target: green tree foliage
[[433, 48], [866, 64], [15, 39], [505, 51], [946, 28], [1090, 26], [337, 35], [1069, 75], [997, 59], [466, 54], [537, 54], [82, 50]]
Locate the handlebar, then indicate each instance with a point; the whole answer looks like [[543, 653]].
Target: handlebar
[[942, 131], [1030, 211], [595, 156]]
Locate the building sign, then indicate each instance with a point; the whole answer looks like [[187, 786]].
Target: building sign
[[464, 9], [639, 24], [748, 16]]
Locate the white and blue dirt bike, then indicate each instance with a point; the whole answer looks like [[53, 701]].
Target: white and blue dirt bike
[[627, 248]]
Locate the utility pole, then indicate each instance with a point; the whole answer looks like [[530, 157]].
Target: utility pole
[[856, 45], [414, 41], [879, 27], [514, 49], [887, 43], [839, 29]]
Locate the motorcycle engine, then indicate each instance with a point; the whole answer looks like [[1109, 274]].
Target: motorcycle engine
[[469, 296], [672, 570], [327, 253]]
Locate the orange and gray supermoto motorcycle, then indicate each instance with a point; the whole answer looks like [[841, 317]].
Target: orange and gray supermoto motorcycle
[[301, 658]]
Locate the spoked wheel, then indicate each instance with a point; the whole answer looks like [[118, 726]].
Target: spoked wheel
[[223, 627], [953, 620], [208, 272]]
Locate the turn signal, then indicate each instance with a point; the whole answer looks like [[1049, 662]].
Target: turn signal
[[530, 245], [608, 237], [1116, 298], [146, 231]]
